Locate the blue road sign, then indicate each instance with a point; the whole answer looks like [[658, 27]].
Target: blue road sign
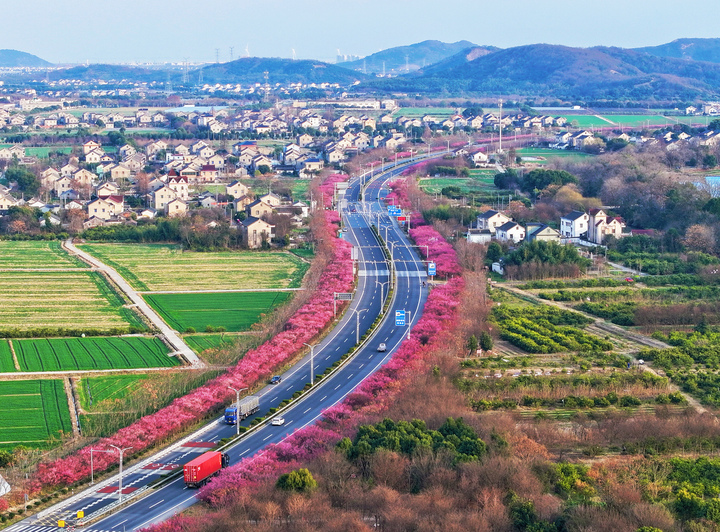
[[432, 269], [399, 318]]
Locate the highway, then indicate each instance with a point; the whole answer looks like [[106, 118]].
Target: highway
[[156, 505]]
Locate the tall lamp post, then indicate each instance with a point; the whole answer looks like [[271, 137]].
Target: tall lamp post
[[357, 324], [312, 363], [121, 452], [237, 408], [382, 292]]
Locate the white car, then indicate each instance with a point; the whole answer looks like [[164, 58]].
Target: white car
[[277, 421], [382, 348]]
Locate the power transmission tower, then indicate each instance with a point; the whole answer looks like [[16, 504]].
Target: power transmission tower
[[231, 53], [217, 55]]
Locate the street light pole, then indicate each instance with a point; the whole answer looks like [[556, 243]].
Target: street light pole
[[121, 452], [312, 363], [382, 292], [357, 326], [237, 408]]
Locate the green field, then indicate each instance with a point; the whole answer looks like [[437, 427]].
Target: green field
[[236, 311], [64, 299], [547, 154], [418, 112], [158, 267], [32, 412], [203, 342], [93, 390], [17, 255], [92, 353], [6, 360]]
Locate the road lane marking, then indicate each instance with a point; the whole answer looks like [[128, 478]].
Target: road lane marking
[[266, 437], [154, 505], [323, 398], [308, 410], [338, 386]]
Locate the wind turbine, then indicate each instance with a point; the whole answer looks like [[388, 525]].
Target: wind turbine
[[294, 56], [247, 50]]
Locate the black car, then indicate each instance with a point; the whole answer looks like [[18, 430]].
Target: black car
[[276, 379]]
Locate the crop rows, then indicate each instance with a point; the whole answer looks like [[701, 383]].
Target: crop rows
[[91, 353], [93, 390], [236, 311], [16, 255], [32, 412], [6, 361], [30, 300], [543, 337], [204, 342], [152, 267]]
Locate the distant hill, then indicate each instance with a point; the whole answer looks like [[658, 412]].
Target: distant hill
[[565, 72], [694, 49], [252, 70], [15, 58], [109, 72], [417, 56]]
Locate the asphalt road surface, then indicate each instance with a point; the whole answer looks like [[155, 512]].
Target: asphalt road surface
[[159, 504]]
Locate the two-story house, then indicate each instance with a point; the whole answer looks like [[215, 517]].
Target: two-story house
[[491, 219], [574, 225]]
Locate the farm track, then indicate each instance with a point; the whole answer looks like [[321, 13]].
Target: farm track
[[33, 375], [221, 291], [616, 331], [175, 341]]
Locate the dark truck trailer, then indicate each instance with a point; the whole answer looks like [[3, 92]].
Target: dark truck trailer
[[197, 472], [246, 407]]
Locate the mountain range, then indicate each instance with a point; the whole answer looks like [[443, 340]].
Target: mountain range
[[15, 58], [683, 70], [405, 59]]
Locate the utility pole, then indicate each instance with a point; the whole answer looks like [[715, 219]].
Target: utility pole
[[312, 363], [500, 148]]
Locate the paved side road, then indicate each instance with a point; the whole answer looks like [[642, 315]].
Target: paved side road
[[171, 336]]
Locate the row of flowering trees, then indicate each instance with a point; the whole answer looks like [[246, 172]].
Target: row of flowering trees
[[309, 321], [374, 395]]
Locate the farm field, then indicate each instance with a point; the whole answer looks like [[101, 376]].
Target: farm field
[[6, 361], [71, 300], [19, 255], [416, 112], [236, 311], [548, 154], [93, 390], [159, 267], [203, 342], [32, 412], [92, 353]]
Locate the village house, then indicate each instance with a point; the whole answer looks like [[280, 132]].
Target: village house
[[176, 207], [478, 236], [600, 226], [256, 231], [258, 209], [491, 219], [541, 232], [574, 225], [179, 184], [236, 189], [510, 232], [162, 197], [100, 208]]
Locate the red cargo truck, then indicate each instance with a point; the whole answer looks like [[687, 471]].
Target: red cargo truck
[[199, 471]]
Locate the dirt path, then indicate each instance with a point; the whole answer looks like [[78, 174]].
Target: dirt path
[[15, 358], [171, 336]]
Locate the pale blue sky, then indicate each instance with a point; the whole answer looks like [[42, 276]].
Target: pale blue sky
[[74, 31]]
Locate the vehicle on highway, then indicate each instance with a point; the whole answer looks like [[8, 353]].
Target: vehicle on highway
[[277, 379], [246, 407], [382, 348], [277, 421], [198, 471]]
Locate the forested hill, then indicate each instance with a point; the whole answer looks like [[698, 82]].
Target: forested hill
[[566, 72], [15, 58]]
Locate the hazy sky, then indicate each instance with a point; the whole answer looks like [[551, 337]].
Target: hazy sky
[[75, 31]]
